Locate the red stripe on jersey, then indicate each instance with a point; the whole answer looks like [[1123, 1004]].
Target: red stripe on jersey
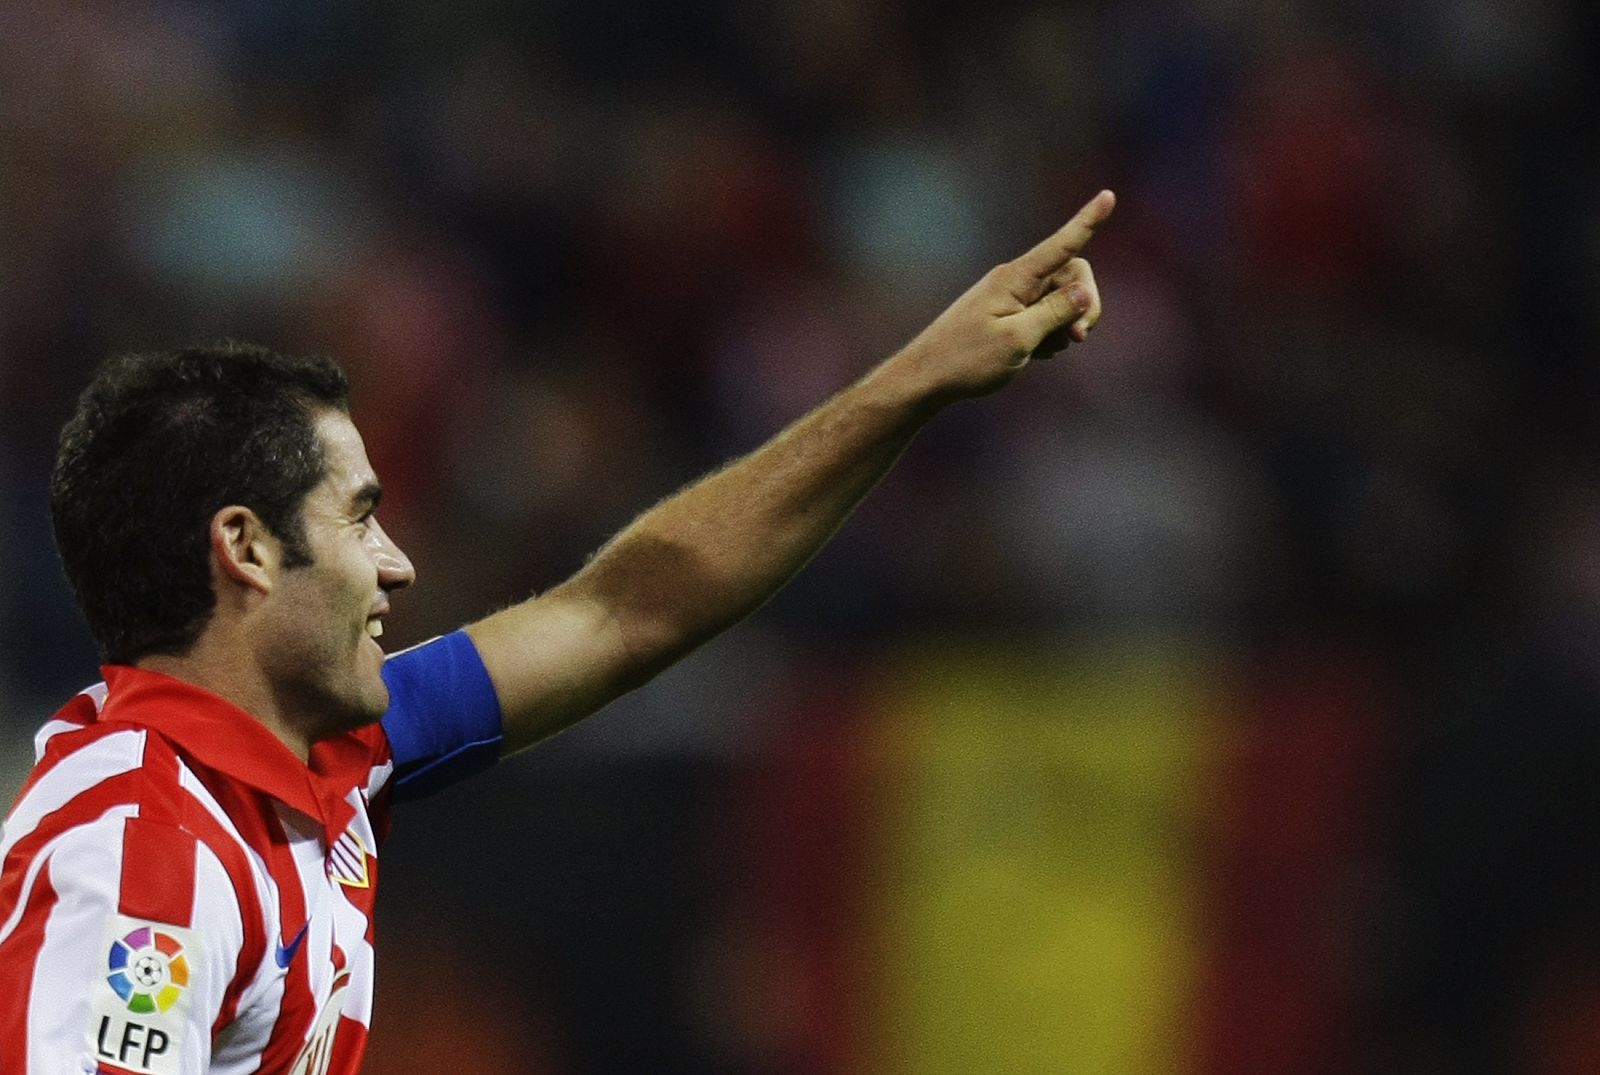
[[163, 798], [298, 1010], [157, 856], [157, 873], [378, 813], [348, 1047], [18, 955]]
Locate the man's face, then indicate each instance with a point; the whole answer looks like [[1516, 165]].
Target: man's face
[[325, 662]]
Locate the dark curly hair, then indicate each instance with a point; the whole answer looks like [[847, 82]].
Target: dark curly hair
[[159, 443]]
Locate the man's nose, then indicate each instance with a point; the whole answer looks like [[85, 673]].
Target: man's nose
[[394, 567]]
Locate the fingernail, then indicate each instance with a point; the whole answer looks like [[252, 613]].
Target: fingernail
[[1078, 297]]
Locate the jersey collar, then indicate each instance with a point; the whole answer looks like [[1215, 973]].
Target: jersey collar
[[221, 736]]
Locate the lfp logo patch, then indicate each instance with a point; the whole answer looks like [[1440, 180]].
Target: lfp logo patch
[[148, 970], [139, 1009]]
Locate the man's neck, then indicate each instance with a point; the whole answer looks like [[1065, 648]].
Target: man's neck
[[237, 682]]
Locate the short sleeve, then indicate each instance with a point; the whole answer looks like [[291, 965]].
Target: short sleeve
[[443, 721], [102, 989]]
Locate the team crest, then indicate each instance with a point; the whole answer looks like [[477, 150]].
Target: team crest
[[347, 861]]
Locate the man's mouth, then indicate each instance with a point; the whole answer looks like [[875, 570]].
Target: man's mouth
[[375, 628]]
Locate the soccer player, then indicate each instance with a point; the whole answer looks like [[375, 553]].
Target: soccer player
[[188, 874]]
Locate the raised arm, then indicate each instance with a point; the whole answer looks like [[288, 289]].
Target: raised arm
[[709, 555]]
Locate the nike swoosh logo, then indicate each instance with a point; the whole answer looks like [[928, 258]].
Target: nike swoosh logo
[[285, 952]]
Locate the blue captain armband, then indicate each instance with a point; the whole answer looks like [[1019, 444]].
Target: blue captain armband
[[443, 721]]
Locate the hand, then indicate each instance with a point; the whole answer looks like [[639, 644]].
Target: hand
[[1029, 308]]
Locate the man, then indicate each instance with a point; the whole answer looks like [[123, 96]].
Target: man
[[188, 874]]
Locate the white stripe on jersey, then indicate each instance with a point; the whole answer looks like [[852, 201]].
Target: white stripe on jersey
[[96, 694], [58, 1010], [377, 777], [114, 755]]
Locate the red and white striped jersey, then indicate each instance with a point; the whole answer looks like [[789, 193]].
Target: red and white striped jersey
[[181, 894]]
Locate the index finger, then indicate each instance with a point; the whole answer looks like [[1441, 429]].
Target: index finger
[[1049, 256]]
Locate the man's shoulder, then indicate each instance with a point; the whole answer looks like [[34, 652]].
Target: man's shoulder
[[86, 781], [85, 767], [103, 787], [76, 716], [73, 752]]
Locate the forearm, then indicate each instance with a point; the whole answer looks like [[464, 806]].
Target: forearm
[[698, 561], [715, 551]]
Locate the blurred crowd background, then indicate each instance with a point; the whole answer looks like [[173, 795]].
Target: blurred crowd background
[[1223, 697]]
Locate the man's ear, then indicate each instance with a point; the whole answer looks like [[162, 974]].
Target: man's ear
[[243, 549]]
